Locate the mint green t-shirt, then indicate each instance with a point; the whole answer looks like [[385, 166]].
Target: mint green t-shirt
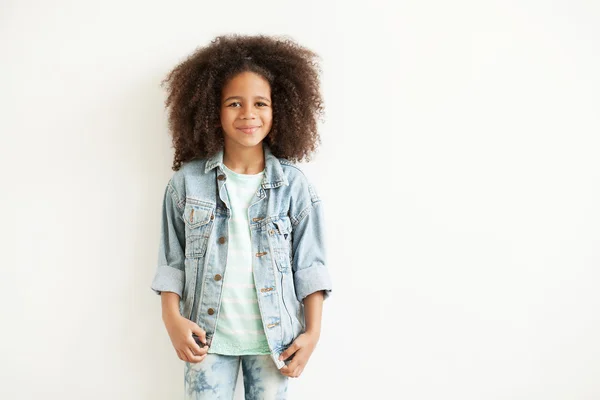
[[239, 329]]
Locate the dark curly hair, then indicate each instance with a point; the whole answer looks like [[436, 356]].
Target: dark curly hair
[[194, 95]]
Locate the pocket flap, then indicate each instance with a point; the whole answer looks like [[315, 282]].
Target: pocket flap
[[195, 215], [283, 226]]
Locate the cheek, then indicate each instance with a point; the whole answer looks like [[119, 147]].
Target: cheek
[[268, 116], [226, 116]]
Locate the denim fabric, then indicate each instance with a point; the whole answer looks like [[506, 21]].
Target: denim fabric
[[287, 240], [215, 378]]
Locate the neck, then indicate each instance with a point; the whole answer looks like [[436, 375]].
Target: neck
[[244, 160]]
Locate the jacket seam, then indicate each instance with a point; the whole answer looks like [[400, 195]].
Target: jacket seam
[[296, 220], [176, 197]]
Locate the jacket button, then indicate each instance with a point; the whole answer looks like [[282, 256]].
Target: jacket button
[[211, 311], [212, 216], [221, 177], [217, 277], [222, 239]]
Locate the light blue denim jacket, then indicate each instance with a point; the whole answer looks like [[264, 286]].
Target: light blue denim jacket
[[287, 235]]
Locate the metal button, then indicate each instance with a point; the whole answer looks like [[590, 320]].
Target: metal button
[[221, 177], [212, 216], [211, 311], [222, 239], [217, 277]]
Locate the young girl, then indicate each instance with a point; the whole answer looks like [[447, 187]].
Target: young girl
[[242, 269]]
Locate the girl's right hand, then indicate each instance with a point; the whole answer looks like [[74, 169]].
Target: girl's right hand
[[180, 331]]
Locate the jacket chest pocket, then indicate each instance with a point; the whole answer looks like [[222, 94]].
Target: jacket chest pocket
[[280, 232], [198, 217]]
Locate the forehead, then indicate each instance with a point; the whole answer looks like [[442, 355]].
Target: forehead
[[247, 83]]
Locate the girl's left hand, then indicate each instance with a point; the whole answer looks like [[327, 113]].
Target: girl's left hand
[[301, 348]]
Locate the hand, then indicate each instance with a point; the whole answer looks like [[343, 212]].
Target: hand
[[302, 348], [180, 331]]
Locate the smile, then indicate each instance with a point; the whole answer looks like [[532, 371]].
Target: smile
[[248, 130]]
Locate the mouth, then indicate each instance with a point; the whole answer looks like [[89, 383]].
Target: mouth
[[249, 129]]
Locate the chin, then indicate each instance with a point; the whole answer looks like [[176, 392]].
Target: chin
[[249, 143], [246, 141]]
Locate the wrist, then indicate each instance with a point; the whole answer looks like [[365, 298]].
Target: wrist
[[314, 333], [169, 314], [170, 305]]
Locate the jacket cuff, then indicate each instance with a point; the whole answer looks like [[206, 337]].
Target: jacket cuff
[[312, 279], [168, 279]]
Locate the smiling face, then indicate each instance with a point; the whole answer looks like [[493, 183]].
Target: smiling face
[[246, 110]]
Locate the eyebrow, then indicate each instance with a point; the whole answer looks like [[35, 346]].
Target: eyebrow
[[239, 97]]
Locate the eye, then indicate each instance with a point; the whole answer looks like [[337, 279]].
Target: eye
[[260, 103]]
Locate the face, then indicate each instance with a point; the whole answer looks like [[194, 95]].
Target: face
[[246, 110]]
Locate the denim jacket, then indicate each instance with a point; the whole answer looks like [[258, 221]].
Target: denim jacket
[[287, 240]]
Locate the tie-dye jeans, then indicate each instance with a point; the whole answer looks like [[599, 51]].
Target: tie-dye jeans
[[215, 378]]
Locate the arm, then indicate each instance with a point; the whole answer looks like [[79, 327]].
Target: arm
[[170, 305], [170, 273], [304, 345], [170, 278], [311, 279], [309, 258], [313, 309]]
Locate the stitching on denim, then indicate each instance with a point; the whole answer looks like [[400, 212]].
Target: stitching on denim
[[173, 192], [263, 223], [314, 197], [199, 241], [303, 214]]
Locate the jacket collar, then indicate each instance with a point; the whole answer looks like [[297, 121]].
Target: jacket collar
[[273, 177]]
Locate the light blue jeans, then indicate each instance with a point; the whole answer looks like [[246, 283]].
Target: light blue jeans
[[215, 378]]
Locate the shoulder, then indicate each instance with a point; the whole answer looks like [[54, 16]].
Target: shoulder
[[298, 180], [190, 170]]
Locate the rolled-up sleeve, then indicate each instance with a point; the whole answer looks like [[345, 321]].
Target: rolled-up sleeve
[[170, 272], [309, 263]]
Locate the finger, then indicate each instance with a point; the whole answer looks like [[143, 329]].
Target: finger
[[296, 372], [179, 355], [293, 370], [195, 347], [182, 356], [202, 352], [192, 357], [201, 358], [284, 356], [284, 370], [292, 365], [289, 351], [199, 332]]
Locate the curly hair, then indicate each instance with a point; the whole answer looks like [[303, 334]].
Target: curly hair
[[194, 95]]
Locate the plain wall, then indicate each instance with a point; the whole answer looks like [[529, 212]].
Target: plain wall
[[459, 171]]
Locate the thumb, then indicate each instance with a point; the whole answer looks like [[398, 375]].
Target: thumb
[[285, 355], [199, 332]]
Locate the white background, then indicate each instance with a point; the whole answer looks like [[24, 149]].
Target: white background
[[459, 170]]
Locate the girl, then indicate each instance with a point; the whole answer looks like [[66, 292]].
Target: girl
[[242, 269]]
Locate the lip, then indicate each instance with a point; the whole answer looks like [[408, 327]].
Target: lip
[[248, 129]]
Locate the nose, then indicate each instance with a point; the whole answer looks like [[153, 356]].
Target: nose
[[247, 112]]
